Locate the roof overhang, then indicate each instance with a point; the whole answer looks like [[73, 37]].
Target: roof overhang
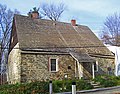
[[82, 57], [79, 56]]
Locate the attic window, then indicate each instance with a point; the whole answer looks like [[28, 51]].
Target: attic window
[[53, 64]]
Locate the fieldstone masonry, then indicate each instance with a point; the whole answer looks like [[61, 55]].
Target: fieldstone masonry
[[29, 67], [14, 65], [35, 67]]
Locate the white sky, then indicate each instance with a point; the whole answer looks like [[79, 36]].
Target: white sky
[[87, 12]]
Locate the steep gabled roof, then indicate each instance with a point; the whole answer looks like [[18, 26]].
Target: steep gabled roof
[[47, 34]]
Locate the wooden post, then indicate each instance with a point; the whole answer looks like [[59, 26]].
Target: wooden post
[[93, 71], [73, 87], [50, 87]]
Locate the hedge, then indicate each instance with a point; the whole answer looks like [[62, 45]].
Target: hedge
[[27, 88], [107, 80], [58, 85], [66, 85], [43, 87]]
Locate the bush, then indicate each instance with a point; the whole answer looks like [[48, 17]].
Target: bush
[[83, 85], [117, 78], [27, 88], [109, 83], [57, 86], [106, 80], [62, 85], [66, 85]]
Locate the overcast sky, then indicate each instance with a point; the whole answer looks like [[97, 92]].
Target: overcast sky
[[91, 13]]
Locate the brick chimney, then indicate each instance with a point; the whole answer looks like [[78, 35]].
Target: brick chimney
[[35, 15], [73, 22]]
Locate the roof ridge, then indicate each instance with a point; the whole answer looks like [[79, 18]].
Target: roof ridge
[[19, 15]]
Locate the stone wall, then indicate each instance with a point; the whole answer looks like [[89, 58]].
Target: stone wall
[[103, 65], [14, 68], [28, 67], [35, 67]]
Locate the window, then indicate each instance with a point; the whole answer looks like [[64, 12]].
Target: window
[[53, 65], [96, 66], [69, 67]]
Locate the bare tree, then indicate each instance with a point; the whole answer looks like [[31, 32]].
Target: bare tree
[[111, 30], [52, 11], [6, 17]]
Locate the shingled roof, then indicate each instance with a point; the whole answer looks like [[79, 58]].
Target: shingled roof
[[57, 36]]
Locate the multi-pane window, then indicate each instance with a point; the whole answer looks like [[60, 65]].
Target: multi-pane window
[[53, 65]]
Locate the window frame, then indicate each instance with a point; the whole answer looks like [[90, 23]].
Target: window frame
[[51, 62]]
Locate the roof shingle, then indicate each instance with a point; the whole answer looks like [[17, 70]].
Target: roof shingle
[[47, 34]]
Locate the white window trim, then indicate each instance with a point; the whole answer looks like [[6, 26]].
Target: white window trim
[[56, 64]]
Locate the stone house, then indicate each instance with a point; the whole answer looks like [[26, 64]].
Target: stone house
[[42, 49]]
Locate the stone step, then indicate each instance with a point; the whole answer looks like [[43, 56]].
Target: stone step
[[95, 84]]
